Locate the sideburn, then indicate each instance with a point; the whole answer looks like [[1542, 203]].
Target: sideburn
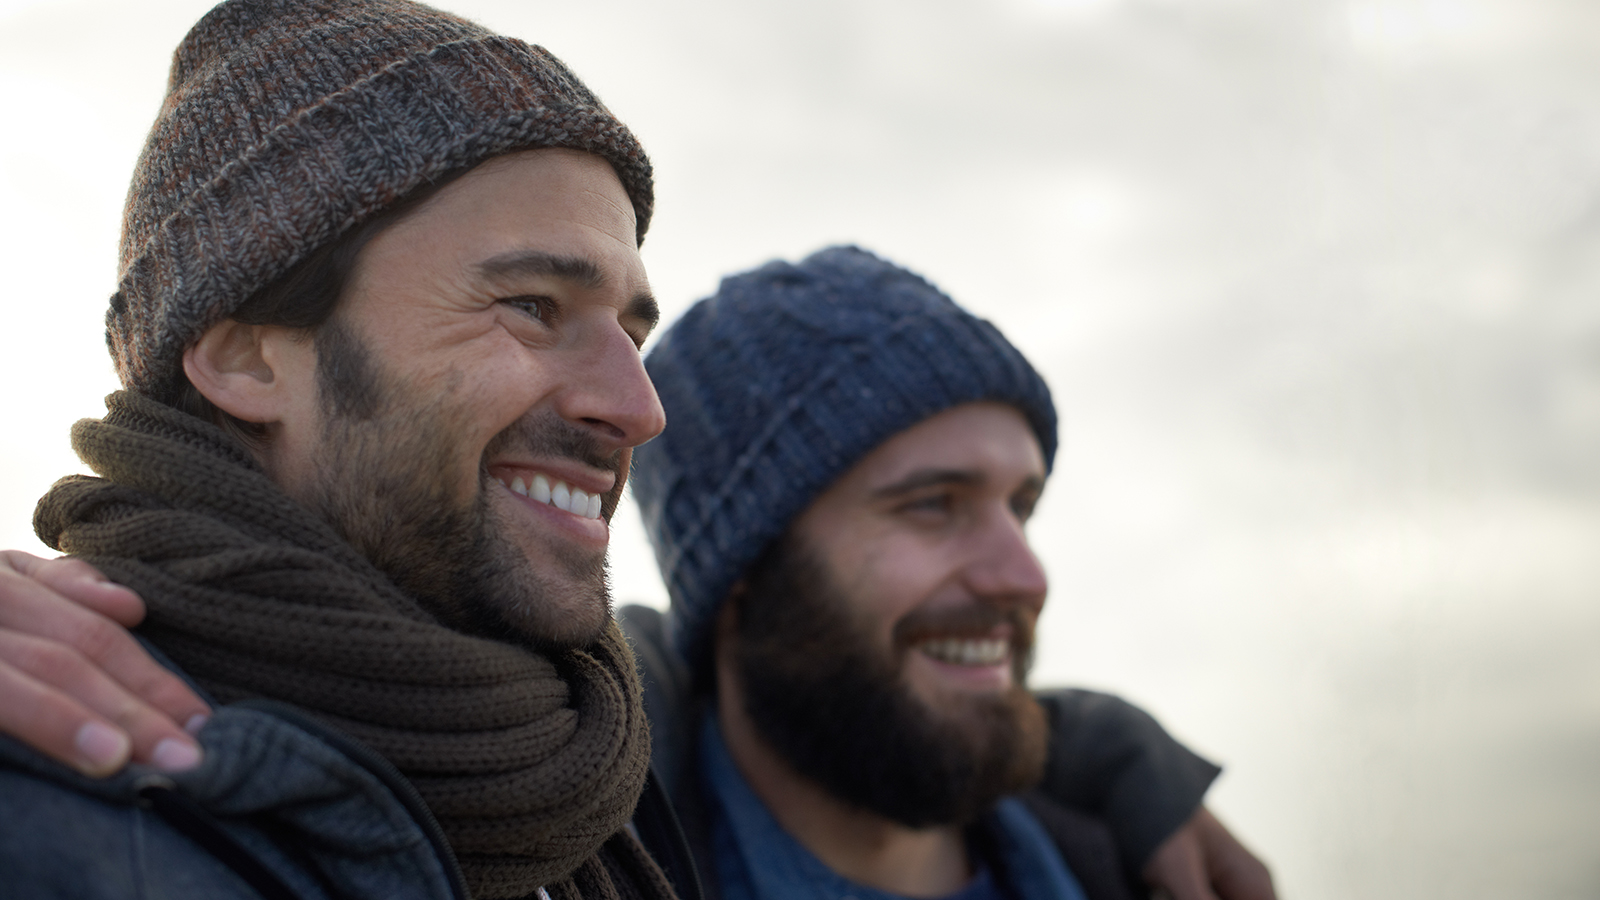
[[347, 383]]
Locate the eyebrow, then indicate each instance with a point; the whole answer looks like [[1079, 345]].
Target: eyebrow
[[576, 269], [923, 478], [928, 478]]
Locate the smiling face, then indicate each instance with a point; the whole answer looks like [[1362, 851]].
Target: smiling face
[[494, 335], [881, 646], [926, 534]]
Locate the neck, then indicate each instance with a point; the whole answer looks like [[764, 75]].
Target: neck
[[856, 843]]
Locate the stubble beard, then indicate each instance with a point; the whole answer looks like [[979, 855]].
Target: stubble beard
[[383, 481], [835, 707]]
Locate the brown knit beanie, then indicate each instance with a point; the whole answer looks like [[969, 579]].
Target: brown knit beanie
[[288, 123]]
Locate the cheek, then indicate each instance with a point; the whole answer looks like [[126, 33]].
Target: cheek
[[890, 579], [492, 385]]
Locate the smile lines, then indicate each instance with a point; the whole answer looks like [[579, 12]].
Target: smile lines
[[558, 494]]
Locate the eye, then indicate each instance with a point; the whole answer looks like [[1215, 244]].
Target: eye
[[929, 504], [1022, 505], [534, 307], [638, 338]]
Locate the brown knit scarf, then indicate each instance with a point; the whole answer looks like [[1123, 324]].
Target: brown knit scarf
[[531, 762]]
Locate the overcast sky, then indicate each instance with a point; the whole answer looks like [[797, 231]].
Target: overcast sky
[[1314, 284]]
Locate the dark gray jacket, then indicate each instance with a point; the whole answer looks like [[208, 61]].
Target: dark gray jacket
[[284, 807], [280, 807], [1117, 784]]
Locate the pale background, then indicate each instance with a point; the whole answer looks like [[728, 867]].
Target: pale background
[[1314, 283]]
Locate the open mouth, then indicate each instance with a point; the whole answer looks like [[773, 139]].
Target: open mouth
[[967, 651], [557, 493]]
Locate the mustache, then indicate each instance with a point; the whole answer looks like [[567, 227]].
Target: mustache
[[971, 620], [546, 434]]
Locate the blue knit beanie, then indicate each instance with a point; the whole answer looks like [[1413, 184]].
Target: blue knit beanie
[[781, 382]]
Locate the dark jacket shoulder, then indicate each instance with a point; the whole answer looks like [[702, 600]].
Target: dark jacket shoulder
[[274, 809]]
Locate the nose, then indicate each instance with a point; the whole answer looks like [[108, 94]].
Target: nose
[[1003, 568], [609, 391]]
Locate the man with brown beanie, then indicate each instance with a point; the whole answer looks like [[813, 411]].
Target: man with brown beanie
[[379, 273], [378, 320]]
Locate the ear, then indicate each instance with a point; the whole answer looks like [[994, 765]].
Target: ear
[[249, 371]]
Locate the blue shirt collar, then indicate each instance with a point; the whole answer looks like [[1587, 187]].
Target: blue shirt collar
[[755, 859]]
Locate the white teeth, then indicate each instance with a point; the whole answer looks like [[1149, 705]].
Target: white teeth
[[560, 495], [968, 652]]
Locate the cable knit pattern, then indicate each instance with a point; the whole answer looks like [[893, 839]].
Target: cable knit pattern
[[530, 762], [779, 383]]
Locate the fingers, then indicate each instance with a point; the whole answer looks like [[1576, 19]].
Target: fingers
[[74, 683], [79, 582], [1177, 868], [42, 684], [1241, 880], [59, 726], [1235, 871]]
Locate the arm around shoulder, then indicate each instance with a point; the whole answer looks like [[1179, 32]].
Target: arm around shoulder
[[1112, 759]]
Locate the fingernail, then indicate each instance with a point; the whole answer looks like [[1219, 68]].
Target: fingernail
[[173, 755], [195, 723], [102, 747], [101, 583]]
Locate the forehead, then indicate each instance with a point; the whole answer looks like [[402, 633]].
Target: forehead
[[991, 440], [558, 200]]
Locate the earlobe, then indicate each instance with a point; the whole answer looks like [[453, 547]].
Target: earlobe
[[236, 367]]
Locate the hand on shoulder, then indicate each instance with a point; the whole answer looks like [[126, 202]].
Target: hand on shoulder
[[1204, 861], [74, 684]]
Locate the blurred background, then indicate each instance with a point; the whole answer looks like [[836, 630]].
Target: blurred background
[[1315, 285]]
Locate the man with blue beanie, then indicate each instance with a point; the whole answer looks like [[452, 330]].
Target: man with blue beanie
[[836, 695]]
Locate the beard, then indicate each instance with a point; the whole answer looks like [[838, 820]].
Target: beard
[[835, 707], [383, 480]]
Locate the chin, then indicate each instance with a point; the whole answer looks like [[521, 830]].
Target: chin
[[465, 569], [561, 599], [574, 622]]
